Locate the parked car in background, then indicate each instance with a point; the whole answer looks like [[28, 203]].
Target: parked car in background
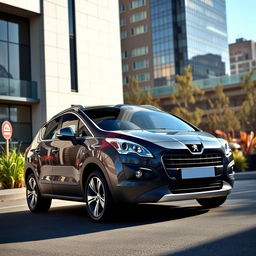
[[105, 155]]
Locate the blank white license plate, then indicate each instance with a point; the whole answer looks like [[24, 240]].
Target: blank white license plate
[[202, 172]]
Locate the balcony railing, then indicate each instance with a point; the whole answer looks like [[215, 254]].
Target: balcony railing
[[18, 88], [203, 84]]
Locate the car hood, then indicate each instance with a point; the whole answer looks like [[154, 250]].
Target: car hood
[[175, 139]]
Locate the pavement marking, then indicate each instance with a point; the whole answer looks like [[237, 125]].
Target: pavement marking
[[14, 206]]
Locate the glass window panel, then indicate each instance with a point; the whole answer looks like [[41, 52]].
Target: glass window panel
[[20, 113], [3, 30], [25, 63], [125, 67], [14, 61], [13, 32], [82, 130], [138, 16], [123, 34], [51, 129], [70, 121], [71, 18], [24, 32], [137, 3], [4, 115], [4, 60], [22, 132], [122, 21]]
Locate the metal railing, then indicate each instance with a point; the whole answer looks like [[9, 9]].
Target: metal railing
[[202, 84], [18, 88]]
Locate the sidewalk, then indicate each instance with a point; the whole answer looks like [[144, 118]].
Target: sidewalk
[[12, 194], [19, 193]]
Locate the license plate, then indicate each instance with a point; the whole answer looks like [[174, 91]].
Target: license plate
[[202, 172]]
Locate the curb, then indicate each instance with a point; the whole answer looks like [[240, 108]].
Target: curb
[[19, 193], [12, 194], [245, 175]]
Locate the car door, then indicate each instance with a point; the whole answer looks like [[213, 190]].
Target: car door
[[45, 155], [68, 159]]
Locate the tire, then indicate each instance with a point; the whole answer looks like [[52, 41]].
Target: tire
[[212, 202], [36, 203], [99, 202]]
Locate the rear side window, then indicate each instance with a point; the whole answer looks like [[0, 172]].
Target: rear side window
[[71, 121], [50, 129]]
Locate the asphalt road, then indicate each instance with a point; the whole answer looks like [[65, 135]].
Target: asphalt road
[[177, 228]]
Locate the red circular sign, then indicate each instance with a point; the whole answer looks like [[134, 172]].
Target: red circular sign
[[7, 130]]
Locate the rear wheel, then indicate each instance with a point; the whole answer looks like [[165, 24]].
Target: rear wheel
[[98, 199], [212, 202], [35, 201]]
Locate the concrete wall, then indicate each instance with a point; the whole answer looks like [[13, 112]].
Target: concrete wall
[[28, 5], [98, 54]]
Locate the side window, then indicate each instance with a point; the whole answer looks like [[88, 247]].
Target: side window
[[50, 129], [82, 131], [70, 120]]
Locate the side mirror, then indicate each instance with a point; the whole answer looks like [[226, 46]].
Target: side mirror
[[66, 134]]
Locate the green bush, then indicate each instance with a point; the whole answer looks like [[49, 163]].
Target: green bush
[[240, 161], [12, 169]]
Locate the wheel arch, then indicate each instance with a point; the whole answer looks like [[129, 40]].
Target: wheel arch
[[28, 171], [92, 166]]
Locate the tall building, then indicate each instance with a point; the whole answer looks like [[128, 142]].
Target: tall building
[[160, 37], [54, 54], [242, 56]]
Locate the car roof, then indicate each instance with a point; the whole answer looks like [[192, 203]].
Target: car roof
[[149, 107], [78, 108]]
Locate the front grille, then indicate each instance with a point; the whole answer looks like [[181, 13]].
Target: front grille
[[188, 160], [197, 185]]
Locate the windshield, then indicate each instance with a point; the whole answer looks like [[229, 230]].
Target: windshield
[[136, 118]]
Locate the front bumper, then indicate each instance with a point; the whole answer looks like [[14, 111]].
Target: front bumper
[[224, 191]]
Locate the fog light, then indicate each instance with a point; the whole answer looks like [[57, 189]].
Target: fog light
[[138, 174]]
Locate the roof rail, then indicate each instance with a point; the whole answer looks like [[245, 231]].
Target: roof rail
[[77, 107], [151, 107]]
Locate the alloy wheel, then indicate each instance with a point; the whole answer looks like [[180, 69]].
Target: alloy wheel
[[96, 197], [32, 192]]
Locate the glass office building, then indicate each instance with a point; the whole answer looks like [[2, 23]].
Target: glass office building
[[15, 73], [180, 33], [49, 60]]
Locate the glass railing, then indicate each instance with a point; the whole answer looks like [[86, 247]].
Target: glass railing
[[18, 88], [203, 84]]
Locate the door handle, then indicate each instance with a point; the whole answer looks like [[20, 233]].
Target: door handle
[[55, 151]]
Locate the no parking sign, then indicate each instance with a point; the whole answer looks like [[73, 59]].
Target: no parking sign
[[7, 134]]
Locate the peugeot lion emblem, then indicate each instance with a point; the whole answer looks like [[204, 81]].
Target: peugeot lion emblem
[[194, 147]]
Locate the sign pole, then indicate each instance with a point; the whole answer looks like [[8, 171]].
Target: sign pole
[[7, 134], [7, 148]]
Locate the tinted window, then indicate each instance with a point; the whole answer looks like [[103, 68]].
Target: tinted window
[[82, 131], [51, 129], [132, 118], [71, 121], [150, 120]]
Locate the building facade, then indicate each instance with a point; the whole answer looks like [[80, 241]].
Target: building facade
[[160, 37], [54, 54], [242, 56]]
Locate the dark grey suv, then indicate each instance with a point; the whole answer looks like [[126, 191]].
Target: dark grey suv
[[106, 155]]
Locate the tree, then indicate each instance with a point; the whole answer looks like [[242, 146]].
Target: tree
[[185, 98], [221, 116], [133, 94], [248, 110]]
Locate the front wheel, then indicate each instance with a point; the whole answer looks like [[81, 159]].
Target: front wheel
[[35, 201], [212, 202], [98, 199]]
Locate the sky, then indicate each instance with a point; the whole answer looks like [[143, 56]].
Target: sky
[[241, 19]]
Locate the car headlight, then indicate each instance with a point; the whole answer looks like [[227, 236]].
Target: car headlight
[[228, 151], [125, 147]]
